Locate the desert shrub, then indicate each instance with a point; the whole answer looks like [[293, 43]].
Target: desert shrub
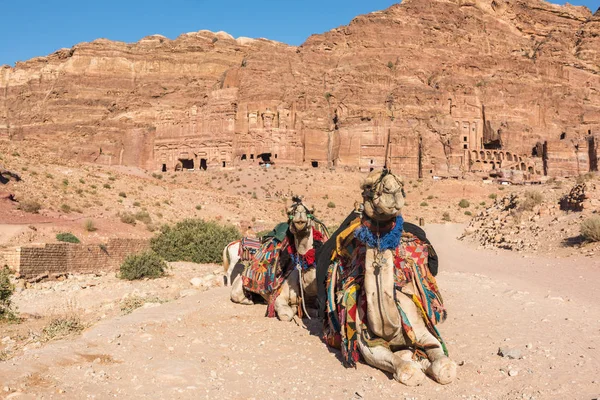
[[67, 237], [62, 326], [143, 216], [590, 229], [6, 291], [469, 213], [122, 194], [136, 204], [144, 265], [81, 181], [194, 240], [198, 207], [106, 186], [482, 203], [65, 182], [446, 216], [464, 203], [30, 206], [127, 218], [430, 197], [424, 204], [111, 178], [532, 199], [331, 204], [65, 208], [89, 225]]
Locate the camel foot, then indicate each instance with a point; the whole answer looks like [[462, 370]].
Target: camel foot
[[285, 314], [408, 373], [443, 370]]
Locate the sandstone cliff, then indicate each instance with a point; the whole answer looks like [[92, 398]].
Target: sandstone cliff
[[456, 86]]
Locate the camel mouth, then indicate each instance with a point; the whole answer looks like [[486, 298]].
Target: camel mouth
[[300, 226]]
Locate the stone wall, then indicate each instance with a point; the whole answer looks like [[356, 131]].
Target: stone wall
[[60, 258]]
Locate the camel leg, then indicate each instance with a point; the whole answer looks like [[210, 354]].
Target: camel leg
[[226, 265], [232, 258], [286, 304], [442, 368], [237, 292], [399, 363]]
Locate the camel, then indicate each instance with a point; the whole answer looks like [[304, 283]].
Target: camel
[[382, 301], [284, 273], [243, 250]]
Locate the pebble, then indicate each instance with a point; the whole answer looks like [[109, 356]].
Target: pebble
[[196, 282], [510, 352]]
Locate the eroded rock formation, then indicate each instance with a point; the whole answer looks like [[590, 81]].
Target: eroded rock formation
[[449, 86]]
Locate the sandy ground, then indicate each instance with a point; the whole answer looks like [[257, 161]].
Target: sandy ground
[[203, 346]]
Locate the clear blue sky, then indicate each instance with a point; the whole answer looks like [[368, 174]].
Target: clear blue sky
[[30, 28]]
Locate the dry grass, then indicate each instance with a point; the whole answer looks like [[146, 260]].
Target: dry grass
[[62, 326], [590, 229]]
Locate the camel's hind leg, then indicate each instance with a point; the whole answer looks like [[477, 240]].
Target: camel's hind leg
[[230, 259], [399, 363], [442, 368], [237, 292]]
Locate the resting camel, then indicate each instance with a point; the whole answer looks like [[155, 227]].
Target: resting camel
[[284, 273], [382, 301], [243, 250]]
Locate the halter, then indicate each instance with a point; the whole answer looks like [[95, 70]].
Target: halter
[[375, 190]]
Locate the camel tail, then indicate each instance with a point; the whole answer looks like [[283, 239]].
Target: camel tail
[[226, 260]]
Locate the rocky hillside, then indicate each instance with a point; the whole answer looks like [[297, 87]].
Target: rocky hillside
[[547, 221], [530, 67]]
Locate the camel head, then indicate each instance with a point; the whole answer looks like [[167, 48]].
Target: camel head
[[383, 195], [300, 217]]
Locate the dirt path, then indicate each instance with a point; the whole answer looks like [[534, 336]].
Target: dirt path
[[203, 346]]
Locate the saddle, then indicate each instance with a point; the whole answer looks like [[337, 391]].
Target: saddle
[[248, 248], [345, 293]]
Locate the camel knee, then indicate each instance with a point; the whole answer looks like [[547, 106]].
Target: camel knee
[[408, 373], [443, 370]]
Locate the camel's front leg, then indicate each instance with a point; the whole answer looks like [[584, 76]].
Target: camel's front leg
[[237, 292], [286, 304], [399, 363], [442, 368]]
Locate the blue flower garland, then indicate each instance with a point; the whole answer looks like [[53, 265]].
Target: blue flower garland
[[389, 241]]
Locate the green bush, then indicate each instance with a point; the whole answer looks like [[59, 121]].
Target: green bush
[[198, 207], [469, 213], [424, 204], [6, 291], [194, 240], [65, 208], [67, 237], [144, 265], [590, 229], [122, 194], [446, 216], [331, 204], [464, 203]]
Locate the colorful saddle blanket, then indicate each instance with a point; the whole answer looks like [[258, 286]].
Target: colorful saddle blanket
[[345, 294], [248, 247], [261, 273]]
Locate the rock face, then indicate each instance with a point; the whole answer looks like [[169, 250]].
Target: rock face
[[442, 87]]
